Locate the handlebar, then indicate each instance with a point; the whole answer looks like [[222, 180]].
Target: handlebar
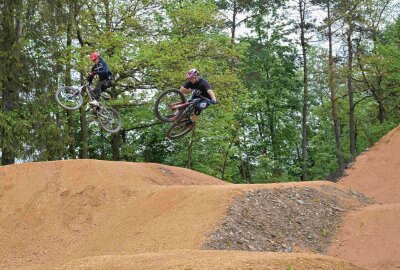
[[197, 93]]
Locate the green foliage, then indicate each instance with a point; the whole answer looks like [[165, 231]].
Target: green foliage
[[253, 134]]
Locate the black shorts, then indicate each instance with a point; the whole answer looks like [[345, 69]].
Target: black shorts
[[202, 105]]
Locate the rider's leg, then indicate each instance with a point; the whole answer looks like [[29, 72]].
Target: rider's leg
[[105, 84], [199, 108], [100, 87], [97, 91], [96, 95], [195, 118]]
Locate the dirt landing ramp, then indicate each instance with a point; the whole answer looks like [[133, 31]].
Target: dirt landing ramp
[[376, 172], [370, 237]]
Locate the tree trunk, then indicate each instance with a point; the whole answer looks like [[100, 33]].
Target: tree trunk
[[115, 145], [304, 155], [261, 125], [233, 24], [375, 90], [84, 133], [245, 165], [84, 151], [71, 128], [68, 81], [233, 139], [352, 124], [336, 123], [377, 94], [277, 172], [103, 150], [190, 150]]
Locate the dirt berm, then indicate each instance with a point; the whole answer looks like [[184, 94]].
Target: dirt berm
[[90, 214]]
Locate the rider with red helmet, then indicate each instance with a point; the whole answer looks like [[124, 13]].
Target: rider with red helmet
[[195, 82], [100, 69]]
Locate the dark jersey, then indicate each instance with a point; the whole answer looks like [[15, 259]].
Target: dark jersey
[[202, 85], [101, 69]]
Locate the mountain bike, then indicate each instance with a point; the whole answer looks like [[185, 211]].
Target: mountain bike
[[71, 98], [172, 106]]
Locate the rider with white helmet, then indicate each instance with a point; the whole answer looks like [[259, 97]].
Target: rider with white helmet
[[195, 82]]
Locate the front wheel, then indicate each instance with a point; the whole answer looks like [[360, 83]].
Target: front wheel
[[109, 119], [179, 129], [167, 105], [69, 97]]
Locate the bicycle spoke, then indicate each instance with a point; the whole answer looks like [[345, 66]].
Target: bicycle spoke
[[178, 130], [167, 105], [69, 98], [109, 119]]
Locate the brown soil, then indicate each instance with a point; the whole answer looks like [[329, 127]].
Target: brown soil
[[376, 172], [212, 260], [370, 237], [89, 214]]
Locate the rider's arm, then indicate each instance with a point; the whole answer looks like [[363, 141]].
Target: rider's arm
[[91, 74], [101, 68], [212, 95], [185, 90]]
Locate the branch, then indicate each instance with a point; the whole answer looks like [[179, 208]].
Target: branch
[[81, 42], [143, 126], [361, 100], [129, 105]]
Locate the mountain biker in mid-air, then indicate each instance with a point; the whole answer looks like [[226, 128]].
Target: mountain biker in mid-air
[[194, 81], [100, 69]]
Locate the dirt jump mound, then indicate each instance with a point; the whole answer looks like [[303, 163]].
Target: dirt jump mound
[[90, 214]]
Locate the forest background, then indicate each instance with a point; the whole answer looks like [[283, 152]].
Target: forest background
[[302, 89]]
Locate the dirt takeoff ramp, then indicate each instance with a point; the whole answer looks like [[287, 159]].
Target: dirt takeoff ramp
[[370, 237], [88, 214]]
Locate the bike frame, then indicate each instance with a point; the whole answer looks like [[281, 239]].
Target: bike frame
[[188, 104], [85, 88]]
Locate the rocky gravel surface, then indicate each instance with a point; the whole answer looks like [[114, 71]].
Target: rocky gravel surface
[[284, 220]]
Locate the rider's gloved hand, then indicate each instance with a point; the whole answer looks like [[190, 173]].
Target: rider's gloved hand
[[214, 101], [90, 76]]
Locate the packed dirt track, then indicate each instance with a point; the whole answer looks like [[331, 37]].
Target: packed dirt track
[[201, 259], [370, 237], [91, 214]]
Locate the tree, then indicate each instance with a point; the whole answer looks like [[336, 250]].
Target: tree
[[249, 10], [12, 26], [269, 123], [304, 27]]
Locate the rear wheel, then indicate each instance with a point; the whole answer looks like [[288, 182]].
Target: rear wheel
[[179, 129], [69, 97], [109, 119], [164, 107]]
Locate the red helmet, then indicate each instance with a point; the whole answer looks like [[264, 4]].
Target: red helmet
[[94, 56], [192, 73]]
